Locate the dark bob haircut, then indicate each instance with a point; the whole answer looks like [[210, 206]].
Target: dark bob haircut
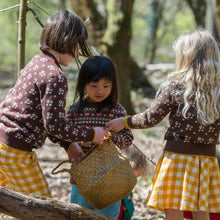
[[94, 69], [62, 32]]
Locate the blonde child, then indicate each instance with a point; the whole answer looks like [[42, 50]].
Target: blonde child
[[34, 108], [187, 175]]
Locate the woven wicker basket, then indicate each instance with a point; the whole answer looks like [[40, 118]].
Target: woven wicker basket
[[104, 176]]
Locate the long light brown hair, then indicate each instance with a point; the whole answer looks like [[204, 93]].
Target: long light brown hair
[[198, 68]]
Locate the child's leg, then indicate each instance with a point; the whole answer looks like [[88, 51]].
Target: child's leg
[[201, 216], [111, 211], [173, 214], [75, 197]]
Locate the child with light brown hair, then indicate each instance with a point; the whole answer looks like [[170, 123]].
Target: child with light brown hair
[[34, 108], [187, 175]]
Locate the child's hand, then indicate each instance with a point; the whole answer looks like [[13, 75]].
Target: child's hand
[[115, 125], [75, 152], [100, 135]]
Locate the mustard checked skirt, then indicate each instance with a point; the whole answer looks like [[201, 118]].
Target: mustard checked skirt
[[20, 171], [186, 182]]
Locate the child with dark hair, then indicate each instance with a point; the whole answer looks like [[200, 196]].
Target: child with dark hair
[[34, 108], [96, 102]]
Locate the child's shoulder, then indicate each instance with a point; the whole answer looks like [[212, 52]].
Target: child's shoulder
[[74, 107], [45, 60], [119, 105], [119, 108], [176, 89], [43, 69], [176, 84]]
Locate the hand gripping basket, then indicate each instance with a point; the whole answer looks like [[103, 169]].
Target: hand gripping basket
[[104, 176]]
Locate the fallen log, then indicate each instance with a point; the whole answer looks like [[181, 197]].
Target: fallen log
[[31, 207]]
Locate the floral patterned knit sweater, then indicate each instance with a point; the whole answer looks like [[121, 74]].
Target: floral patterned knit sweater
[[187, 129], [35, 107], [89, 116]]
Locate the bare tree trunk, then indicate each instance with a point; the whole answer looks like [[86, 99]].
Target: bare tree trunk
[[205, 13], [110, 33], [211, 23], [217, 13], [139, 80], [21, 35], [117, 45], [63, 4], [23, 206], [199, 11], [96, 25], [156, 9], [210, 17]]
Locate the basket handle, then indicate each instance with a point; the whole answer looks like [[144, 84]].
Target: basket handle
[[64, 169]]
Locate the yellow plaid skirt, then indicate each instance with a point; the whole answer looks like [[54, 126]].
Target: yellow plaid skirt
[[186, 182], [20, 171]]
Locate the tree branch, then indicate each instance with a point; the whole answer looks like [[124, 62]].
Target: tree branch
[[25, 206], [35, 15]]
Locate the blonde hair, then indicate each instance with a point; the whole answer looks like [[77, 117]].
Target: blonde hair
[[198, 68]]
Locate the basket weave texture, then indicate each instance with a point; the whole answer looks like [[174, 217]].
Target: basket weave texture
[[104, 176]]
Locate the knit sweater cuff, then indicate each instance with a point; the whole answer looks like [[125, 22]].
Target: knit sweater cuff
[[129, 122], [126, 122], [94, 133]]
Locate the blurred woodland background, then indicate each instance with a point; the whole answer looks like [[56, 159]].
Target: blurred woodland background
[[136, 34]]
